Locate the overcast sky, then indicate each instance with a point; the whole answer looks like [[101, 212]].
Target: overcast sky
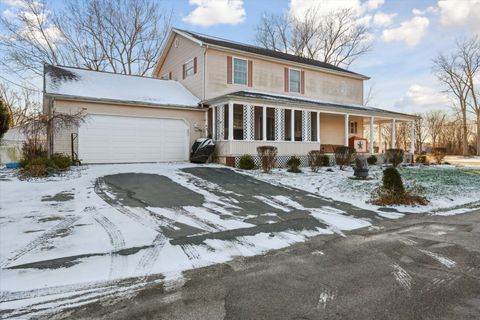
[[407, 35]]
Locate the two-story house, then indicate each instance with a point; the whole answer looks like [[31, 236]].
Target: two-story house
[[241, 95]]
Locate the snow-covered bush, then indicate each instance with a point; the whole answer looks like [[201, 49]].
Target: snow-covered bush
[[268, 156], [246, 162], [394, 156], [325, 160], [344, 156], [293, 164]]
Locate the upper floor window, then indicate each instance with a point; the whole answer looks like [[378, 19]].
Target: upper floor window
[[353, 127], [294, 80], [240, 71], [188, 69]]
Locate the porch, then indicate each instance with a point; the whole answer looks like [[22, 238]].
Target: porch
[[239, 126]]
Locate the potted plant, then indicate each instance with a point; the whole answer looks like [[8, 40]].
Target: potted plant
[[360, 168]]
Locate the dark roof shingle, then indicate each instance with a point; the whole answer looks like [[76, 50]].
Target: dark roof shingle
[[265, 52]]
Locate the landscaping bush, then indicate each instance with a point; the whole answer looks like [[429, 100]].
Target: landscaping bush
[[325, 160], [392, 181], [268, 156], [294, 164], [246, 162], [393, 192], [422, 159], [372, 160], [61, 161], [38, 167], [344, 156], [394, 156], [315, 160], [439, 153], [33, 148]]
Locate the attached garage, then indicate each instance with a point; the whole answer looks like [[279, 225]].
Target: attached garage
[[129, 118], [123, 139]]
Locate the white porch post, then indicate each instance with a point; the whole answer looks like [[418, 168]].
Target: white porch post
[[318, 127], [264, 125], [412, 138], [394, 134], [214, 123], [371, 134], [380, 147], [346, 128], [230, 121], [292, 126]]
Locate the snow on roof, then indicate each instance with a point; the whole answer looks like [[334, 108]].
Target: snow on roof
[[95, 85]]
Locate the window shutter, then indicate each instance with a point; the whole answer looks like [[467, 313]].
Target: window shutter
[[285, 78], [170, 75], [302, 82], [183, 71], [250, 73], [195, 65], [229, 69]]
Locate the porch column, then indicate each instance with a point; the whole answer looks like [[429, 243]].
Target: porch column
[[230, 121], [292, 126], [318, 127], [264, 125], [412, 138], [214, 123], [380, 147], [394, 134], [371, 134], [346, 128]]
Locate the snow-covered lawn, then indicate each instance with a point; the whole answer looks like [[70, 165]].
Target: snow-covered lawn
[[449, 189]]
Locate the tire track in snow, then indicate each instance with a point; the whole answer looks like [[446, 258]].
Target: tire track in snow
[[39, 241], [118, 262], [402, 276], [151, 255], [449, 263], [324, 297]]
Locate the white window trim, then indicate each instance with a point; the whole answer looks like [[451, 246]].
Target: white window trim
[[193, 67], [233, 71], [299, 81]]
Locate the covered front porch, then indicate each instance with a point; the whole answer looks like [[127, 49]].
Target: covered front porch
[[240, 124]]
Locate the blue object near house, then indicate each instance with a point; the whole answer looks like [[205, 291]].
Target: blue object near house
[[12, 165]]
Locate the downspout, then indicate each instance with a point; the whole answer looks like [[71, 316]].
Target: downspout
[[205, 87]]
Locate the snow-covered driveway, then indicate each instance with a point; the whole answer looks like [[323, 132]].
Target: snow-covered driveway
[[107, 230]]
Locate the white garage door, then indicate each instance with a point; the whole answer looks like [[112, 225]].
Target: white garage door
[[116, 139]]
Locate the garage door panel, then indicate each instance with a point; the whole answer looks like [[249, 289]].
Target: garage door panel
[[113, 139]]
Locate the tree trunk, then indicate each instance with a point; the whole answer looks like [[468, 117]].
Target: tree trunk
[[465, 132], [478, 132]]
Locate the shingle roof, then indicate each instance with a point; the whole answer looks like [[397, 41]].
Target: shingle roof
[[278, 98], [94, 85], [265, 52]]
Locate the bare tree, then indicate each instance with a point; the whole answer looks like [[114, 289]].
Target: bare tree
[[123, 36], [435, 120], [335, 38], [420, 132], [20, 104], [469, 52], [273, 31], [30, 39], [449, 72]]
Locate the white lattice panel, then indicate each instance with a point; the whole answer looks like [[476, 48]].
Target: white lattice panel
[[220, 122], [279, 124], [248, 122], [306, 125]]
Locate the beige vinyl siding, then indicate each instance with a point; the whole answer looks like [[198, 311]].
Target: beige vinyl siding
[[268, 76], [195, 119], [175, 59]]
